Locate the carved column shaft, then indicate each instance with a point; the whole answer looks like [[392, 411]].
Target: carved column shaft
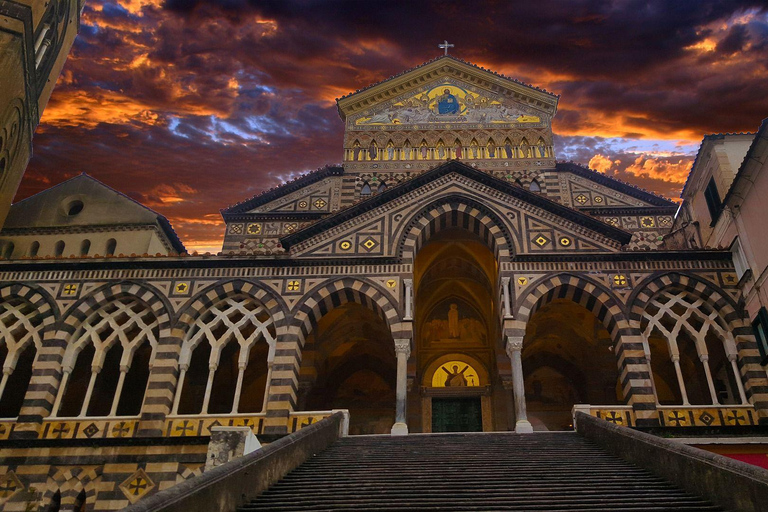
[[403, 352]]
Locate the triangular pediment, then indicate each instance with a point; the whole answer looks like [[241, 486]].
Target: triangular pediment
[[532, 223], [448, 90]]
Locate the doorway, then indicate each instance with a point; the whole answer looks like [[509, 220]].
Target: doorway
[[457, 414]]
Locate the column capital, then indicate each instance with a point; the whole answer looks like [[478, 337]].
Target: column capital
[[514, 344], [408, 282], [675, 358], [731, 357], [403, 346], [505, 280], [704, 358]]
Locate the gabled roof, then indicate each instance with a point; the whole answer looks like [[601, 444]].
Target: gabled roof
[[460, 168], [548, 98], [45, 202], [706, 140], [282, 190], [620, 186]]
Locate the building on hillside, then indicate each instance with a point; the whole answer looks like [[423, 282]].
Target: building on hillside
[[449, 275], [84, 217], [724, 207], [35, 39]]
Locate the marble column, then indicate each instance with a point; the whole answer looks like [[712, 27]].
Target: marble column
[[514, 349], [408, 299], [680, 381], [737, 377], [403, 352], [507, 302]]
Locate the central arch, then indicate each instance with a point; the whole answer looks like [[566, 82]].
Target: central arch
[[457, 329], [459, 212]]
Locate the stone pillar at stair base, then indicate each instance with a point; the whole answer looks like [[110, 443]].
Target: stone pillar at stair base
[[403, 352], [514, 349], [229, 443]]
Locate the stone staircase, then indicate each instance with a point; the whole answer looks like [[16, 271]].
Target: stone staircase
[[500, 471]]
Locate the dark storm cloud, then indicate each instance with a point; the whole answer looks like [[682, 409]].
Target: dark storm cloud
[[193, 105]]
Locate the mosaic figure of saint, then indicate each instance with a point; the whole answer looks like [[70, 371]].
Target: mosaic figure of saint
[[455, 377], [447, 103], [372, 151], [356, 151], [424, 151], [474, 149], [458, 150], [453, 321], [390, 152], [508, 149], [441, 150], [407, 151], [492, 150]]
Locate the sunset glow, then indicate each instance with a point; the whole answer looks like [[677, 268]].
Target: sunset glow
[[189, 106]]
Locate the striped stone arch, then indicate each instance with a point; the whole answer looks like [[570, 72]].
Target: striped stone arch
[[43, 303], [44, 385], [70, 481], [284, 382], [715, 296], [330, 295], [81, 310], [588, 293], [748, 356], [456, 211], [221, 290]]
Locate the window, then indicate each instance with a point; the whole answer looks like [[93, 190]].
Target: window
[[760, 326], [8, 250], [74, 208], [713, 201], [85, 246], [34, 249], [366, 190], [739, 259], [382, 187], [58, 249], [111, 246], [535, 187]]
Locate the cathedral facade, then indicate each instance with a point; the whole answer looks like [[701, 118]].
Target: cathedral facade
[[449, 275]]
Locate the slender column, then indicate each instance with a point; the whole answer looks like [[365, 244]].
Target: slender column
[[679, 372], [408, 299], [60, 393], [238, 386], [704, 358], [514, 351], [208, 387], [266, 387], [736, 376], [119, 390], [647, 351], [507, 304], [6, 374], [403, 352], [179, 388], [94, 374]]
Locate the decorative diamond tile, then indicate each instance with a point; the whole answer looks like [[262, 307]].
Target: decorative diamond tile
[[541, 240], [236, 229], [706, 418], [369, 243], [137, 485], [293, 286], [647, 222], [181, 288], [320, 203], [302, 204], [581, 199], [620, 280], [345, 245], [254, 229], [565, 241], [91, 430], [121, 429], [598, 199], [290, 227]]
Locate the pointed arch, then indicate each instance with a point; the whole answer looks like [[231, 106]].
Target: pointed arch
[[588, 293], [456, 211]]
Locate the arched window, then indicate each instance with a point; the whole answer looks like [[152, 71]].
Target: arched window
[[85, 246], [106, 363], [535, 187], [111, 246], [34, 248], [382, 187], [58, 249], [366, 190], [8, 250], [692, 351], [224, 359], [20, 326]]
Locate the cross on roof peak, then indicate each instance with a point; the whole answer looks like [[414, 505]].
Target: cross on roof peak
[[445, 46]]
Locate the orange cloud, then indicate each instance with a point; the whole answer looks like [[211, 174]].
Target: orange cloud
[[675, 172]]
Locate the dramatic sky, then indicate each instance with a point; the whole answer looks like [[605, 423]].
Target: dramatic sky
[[190, 105]]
